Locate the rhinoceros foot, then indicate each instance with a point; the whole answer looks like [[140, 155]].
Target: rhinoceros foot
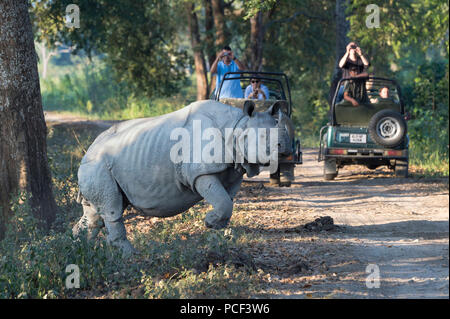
[[126, 247], [213, 220]]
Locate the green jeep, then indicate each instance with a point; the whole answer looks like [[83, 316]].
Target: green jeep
[[374, 133]]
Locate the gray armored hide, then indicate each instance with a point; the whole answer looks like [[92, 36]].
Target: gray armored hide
[[131, 164]]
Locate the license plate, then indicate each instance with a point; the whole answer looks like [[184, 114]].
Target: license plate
[[358, 138]]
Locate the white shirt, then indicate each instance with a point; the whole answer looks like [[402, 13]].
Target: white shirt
[[249, 90]]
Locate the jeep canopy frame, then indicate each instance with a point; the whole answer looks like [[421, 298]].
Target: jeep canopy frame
[[275, 77], [374, 83]]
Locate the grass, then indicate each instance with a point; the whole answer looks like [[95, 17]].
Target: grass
[[88, 88]]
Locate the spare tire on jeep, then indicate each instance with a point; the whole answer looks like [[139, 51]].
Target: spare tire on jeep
[[387, 128]]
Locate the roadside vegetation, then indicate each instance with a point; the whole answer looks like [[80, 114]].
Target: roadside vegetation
[[179, 257]]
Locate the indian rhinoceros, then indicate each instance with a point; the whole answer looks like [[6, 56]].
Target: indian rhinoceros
[[132, 163]]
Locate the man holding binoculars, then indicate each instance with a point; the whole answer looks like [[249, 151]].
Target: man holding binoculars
[[353, 58], [354, 61]]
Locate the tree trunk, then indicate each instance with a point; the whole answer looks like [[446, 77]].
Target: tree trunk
[[256, 42], [23, 147], [199, 58], [209, 33], [219, 23], [342, 29]]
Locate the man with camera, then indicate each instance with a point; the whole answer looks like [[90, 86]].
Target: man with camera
[[227, 62], [256, 90], [354, 60]]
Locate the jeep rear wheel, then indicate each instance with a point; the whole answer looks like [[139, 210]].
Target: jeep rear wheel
[[387, 128], [329, 169], [401, 168]]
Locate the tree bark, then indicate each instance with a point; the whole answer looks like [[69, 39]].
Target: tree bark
[[220, 36], [219, 23], [209, 32], [342, 29], [256, 42], [199, 58], [23, 146]]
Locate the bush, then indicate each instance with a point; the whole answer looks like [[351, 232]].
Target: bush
[[89, 89]]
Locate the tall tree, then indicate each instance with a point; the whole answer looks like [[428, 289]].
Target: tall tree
[[209, 32], [23, 149], [342, 30], [256, 42], [199, 57], [219, 23]]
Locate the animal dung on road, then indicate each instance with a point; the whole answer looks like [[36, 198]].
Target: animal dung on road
[[321, 223]]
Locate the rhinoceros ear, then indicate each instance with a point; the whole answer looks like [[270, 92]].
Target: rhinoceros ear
[[275, 107], [249, 108]]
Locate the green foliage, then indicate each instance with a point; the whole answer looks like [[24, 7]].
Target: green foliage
[[138, 37], [405, 23], [89, 89], [428, 128], [33, 263]]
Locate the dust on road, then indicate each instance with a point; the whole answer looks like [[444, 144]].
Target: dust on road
[[395, 225]]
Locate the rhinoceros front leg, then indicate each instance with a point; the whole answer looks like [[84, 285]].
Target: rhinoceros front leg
[[212, 190]]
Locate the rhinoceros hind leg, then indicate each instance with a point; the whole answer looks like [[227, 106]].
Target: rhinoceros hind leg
[[91, 221], [102, 192], [212, 190]]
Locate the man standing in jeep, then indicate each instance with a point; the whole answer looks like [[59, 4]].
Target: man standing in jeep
[[227, 62], [354, 61]]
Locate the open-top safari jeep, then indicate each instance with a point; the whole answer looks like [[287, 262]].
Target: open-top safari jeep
[[374, 133], [279, 90]]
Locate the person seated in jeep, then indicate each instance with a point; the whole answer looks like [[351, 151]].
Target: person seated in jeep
[[384, 93], [256, 90], [383, 96], [355, 90]]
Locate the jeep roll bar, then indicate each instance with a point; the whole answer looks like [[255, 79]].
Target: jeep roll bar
[[333, 103], [247, 75]]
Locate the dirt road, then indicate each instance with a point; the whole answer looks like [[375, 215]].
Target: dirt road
[[396, 226], [393, 229]]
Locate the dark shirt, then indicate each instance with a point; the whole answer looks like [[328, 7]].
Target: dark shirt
[[356, 89], [357, 65]]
